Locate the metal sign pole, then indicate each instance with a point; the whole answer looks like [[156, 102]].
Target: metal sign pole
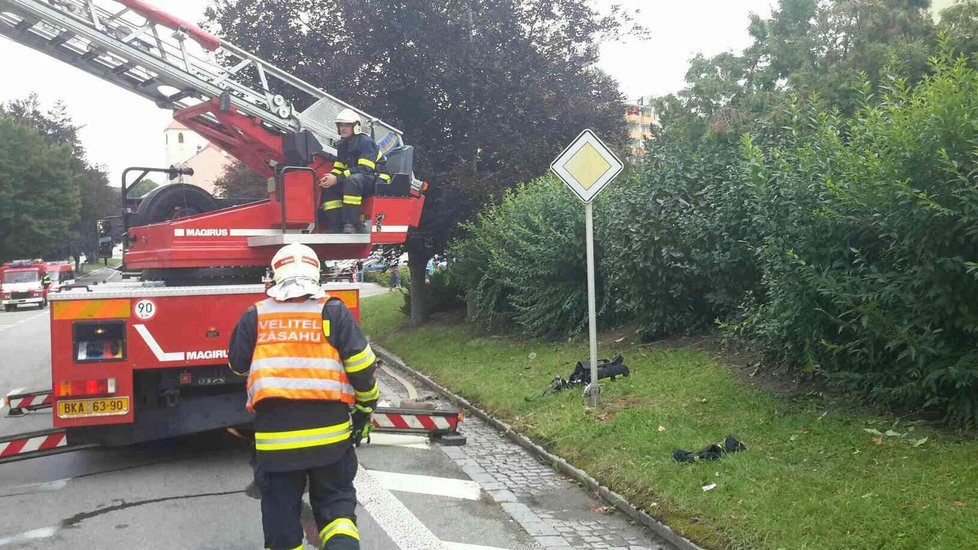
[[594, 389], [587, 166]]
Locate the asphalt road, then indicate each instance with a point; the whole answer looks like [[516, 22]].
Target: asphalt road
[[191, 492]]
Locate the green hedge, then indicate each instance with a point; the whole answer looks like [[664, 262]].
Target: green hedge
[[383, 278], [523, 263], [678, 240], [847, 247], [870, 237]]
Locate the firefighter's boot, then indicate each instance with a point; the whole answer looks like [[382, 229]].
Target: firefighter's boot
[[351, 219]]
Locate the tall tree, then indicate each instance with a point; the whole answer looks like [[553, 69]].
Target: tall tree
[[830, 47], [240, 181], [486, 90], [960, 23], [38, 201], [98, 198]]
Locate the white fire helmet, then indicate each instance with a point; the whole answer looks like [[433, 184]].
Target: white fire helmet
[[296, 272], [348, 116]]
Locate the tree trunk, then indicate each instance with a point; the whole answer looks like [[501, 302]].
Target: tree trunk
[[419, 306], [470, 308]]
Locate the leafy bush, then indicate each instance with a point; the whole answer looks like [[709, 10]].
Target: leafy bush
[[383, 278], [679, 236], [523, 261], [870, 234], [845, 246]]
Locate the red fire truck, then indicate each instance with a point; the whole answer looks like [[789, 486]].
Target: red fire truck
[[136, 362], [22, 283]]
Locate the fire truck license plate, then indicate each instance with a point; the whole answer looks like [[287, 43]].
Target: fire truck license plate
[[93, 407]]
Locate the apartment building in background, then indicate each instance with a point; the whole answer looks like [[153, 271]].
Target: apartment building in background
[[639, 118]]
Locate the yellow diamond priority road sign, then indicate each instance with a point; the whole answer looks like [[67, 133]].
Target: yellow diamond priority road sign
[[587, 166]]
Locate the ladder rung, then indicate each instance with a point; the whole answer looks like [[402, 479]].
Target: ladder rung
[[124, 67], [62, 37], [25, 24], [92, 54]]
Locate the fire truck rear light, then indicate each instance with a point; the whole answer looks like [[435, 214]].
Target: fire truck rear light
[[89, 386]]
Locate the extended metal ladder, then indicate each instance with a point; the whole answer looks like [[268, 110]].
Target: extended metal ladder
[[176, 64]]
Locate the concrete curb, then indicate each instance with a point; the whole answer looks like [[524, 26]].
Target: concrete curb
[[553, 460]]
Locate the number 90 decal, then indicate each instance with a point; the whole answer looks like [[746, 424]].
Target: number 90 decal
[[145, 309]]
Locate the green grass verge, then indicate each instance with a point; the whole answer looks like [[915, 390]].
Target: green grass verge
[[811, 477]]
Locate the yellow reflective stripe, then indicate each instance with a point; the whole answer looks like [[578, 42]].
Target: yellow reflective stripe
[[301, 433], [369, 395], [368, 163], [385, 177], [339, 526], [301, 439], [303, 444], [359, 361], [336, 171], [352, 199], [379, 156], [346, 173], [330, 205], [340, 165], [326, 328], [296, 548]]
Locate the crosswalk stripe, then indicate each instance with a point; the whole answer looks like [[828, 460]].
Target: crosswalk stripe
[[428, 485], [401, 526], [400, 440]]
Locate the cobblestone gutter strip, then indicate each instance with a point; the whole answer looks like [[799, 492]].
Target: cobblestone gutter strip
[[555, 461]]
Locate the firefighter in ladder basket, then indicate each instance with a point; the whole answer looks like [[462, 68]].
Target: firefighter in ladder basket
[[308, 366], [353, 176]]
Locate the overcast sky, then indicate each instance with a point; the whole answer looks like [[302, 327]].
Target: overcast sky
[[121, 129]]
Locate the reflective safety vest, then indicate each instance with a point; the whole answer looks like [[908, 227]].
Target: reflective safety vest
[[293, 359]]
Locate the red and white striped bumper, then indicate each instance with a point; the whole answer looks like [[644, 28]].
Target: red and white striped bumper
[[33, 401], [28, 443], [416, 421]]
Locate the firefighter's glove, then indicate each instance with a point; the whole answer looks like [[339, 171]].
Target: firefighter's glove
[[362, 426]]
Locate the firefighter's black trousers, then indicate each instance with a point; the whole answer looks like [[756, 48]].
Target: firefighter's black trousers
[[342, 203], [331, 495]]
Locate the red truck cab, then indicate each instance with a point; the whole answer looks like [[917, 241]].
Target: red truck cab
[[61, 274]]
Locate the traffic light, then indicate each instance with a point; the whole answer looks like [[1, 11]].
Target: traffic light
[[104, 239]]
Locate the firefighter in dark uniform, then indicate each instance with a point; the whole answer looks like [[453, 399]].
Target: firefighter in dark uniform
[[353, 175], [308, 366]]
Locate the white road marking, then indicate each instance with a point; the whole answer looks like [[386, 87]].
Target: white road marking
[[429, 485], [27, 536], [400, 440], [43, 487], [401, 526], [463, 546]]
